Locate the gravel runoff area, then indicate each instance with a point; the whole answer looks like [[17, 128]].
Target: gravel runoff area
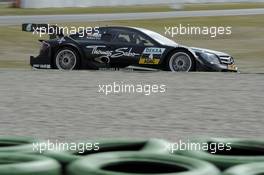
[[67, 105]]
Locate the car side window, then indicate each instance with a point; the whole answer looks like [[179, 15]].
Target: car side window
[[123, 38], [131, 38], [140, 40]]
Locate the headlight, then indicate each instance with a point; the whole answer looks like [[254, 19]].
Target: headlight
[[211, 58]]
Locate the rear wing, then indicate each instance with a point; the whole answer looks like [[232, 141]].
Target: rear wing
[[42, 29]]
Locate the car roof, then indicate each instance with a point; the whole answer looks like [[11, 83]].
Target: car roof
[[124, 27], [138, 29]]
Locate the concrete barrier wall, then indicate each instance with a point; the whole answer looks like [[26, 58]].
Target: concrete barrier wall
[[88, 3], [92, 3]]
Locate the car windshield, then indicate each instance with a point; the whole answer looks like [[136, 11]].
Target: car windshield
[[158, 37]]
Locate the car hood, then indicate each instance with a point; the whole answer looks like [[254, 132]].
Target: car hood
[[195, 49]]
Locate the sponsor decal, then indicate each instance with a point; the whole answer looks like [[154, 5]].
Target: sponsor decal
[[232, 67], [151, 55], [143, 60], [124, 52], [28, 28], [61, 40], [154, 51], [97, 50], [120, 52], [94, 36], [42, 66]]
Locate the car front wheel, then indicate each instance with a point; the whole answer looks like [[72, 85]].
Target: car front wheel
[[180, 62]]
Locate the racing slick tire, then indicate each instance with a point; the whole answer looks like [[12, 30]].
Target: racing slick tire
[[241, 151], [138, 163], [152, 145], [180, 61], [67, 58], [246, 169], [22, 164], [17, 144]]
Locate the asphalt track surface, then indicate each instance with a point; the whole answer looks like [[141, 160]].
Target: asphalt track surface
[[67, 105], [18, 20]]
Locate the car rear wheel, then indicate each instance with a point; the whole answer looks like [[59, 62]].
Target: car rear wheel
[[67, 59], [180, 62]]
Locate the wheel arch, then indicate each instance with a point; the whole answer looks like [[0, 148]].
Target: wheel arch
[[67, 45], [178, 49]]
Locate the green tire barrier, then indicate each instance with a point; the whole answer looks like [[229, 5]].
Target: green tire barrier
[[139, 163], [17, 144], [242, 151], [152, 145], [246, 169], [22, 164]]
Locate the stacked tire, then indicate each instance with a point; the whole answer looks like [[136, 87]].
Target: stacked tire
[[246, 169], [136, 163], [17, 144], [242, 151], [17, 158], [69, 156]]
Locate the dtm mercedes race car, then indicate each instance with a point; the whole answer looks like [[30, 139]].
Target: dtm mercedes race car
[[120, 47]]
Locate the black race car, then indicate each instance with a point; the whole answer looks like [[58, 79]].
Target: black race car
[[120, 47]]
